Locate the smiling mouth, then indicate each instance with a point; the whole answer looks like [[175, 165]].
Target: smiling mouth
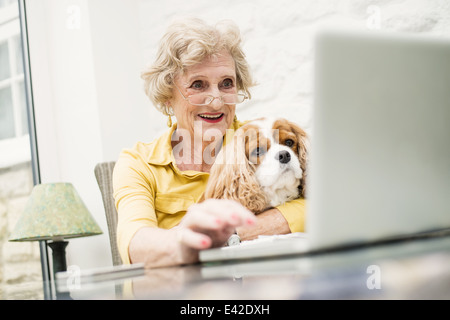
[[211, 117]]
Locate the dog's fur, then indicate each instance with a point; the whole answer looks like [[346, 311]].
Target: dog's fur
[[263, 166]]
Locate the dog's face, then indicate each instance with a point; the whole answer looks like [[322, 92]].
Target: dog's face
[[274, 147], [265, 165]]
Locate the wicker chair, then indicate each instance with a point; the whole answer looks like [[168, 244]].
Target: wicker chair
[[103, 173]]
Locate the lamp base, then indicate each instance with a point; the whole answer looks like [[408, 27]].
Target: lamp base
[[59, 255], [59, 264]]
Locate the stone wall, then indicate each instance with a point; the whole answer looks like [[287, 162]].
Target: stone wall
[[20, 268], [279, 37]]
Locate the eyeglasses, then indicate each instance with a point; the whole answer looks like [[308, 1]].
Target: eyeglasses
[[202, 99]]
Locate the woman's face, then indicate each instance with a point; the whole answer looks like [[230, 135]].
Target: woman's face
[[215, 76]]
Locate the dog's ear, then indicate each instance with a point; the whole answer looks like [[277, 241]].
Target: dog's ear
[[233, 177], [303, 155]]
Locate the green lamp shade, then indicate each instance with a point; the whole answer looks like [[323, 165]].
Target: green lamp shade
[[54, 211]]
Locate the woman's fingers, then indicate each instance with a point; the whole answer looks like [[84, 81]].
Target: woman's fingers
[[211, 223], [237, 214], [199, 219], [215, 213], [193, 239]]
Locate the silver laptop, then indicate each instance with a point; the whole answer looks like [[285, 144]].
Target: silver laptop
[[380, 163]]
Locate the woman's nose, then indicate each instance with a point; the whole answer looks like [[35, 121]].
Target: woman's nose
[[217, 101]]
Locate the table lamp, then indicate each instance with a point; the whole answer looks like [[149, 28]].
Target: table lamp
[[55, 212]]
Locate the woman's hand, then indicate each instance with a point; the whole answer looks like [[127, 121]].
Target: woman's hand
[[211, 222], [205, 225]]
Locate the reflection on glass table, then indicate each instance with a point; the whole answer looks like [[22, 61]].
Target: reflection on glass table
[[416, 269]]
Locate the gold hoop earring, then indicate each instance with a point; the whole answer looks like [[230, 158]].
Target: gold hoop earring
[[169, 122]]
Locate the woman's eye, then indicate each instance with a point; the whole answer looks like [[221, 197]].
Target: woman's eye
[[289, 142], [227, 83], [197, 84]]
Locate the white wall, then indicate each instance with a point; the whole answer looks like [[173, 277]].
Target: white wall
[[279, 35], [125, 113], [86, 73], [88, 100], [67, 116]]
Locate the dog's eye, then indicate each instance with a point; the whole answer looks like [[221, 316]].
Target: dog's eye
[[289, 142], [257, 152]]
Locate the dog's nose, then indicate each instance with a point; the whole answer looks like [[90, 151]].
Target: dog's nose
[[283, 156]]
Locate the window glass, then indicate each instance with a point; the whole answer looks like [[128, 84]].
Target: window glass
[[23, 109], [19, 54], [5, 72], [7, 128], [20, 265], [4, 3]]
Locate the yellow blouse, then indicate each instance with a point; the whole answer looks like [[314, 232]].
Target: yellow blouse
[[150, 190]]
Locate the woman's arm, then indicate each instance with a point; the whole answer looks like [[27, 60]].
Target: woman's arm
[[268, 222], [286, 218], [156, 247]]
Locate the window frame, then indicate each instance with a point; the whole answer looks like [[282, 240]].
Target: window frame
[[10, 29], [45, 266]]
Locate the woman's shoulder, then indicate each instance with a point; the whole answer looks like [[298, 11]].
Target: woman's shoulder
[[157, 151]]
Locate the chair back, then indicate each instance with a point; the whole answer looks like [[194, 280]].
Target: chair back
[[103, 174]]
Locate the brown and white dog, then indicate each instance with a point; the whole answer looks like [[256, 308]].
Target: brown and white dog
[[263, 166]]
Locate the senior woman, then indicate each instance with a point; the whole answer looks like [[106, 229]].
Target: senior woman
[[199, 76]]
